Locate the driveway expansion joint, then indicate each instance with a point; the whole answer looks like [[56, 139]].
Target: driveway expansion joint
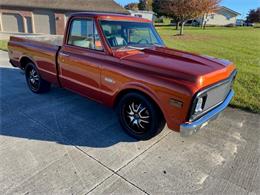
[[116, 172]]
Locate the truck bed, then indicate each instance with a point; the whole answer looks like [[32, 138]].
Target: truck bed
[[55, 40], [42, 50]]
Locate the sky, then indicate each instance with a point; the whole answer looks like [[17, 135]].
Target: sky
[[241, 6]]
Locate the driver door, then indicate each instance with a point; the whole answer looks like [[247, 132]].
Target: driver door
[[79, 59]]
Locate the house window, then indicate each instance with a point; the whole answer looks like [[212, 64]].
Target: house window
[[212, 16], [138, 15], [29, 24]]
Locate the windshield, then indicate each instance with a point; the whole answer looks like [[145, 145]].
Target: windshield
[[130, 34]]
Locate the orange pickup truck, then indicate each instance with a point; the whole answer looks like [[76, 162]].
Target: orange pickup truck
[[122, 62]]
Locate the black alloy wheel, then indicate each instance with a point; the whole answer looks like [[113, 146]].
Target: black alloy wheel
[[34, 81], [139, 116]]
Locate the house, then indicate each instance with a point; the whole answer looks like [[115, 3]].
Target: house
[[222, 17], [48, 16], [142, 14]]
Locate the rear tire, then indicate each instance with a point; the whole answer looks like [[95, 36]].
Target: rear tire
[[139, 116], [34, 81]]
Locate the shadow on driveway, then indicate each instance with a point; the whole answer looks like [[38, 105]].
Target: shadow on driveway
[[58, 116]]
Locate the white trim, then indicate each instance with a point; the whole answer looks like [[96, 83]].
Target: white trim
[[33, 23], [1, 23], [230, 10], [25, 26]]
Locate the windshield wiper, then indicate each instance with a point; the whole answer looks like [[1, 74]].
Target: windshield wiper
[[130, 47], [157, 45]]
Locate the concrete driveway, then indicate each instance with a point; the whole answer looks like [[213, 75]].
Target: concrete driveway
[[61, 143]]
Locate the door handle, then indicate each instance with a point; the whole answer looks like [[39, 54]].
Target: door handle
[[64, 55]]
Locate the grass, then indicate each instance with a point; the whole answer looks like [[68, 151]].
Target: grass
[[3, 45], [240, 45]]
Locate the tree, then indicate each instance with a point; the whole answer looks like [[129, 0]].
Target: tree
[[132, 6], [184, 10], [146, 5], [161, 9], [254, 15], [207, 7]]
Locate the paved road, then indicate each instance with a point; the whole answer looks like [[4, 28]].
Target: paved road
[[61, 143]]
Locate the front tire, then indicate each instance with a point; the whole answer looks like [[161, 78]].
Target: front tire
[[139, 116], [34, 81]]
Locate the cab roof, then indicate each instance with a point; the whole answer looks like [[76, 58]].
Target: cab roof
[[110, 16]]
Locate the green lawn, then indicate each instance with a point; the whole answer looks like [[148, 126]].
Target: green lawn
[[3, 45], [239, 45]]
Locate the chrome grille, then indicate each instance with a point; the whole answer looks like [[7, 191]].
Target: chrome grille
[[213, 96], [217, 95]]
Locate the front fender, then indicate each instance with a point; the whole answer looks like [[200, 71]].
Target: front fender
[[174, 116], [156, 96], [142, 88]]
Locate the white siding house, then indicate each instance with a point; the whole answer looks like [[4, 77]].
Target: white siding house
[[142, 14], [222, 17]]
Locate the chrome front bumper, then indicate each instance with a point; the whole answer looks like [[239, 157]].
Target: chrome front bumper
[[187, 129]]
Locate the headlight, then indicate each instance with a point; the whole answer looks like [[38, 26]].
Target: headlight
[[199, 105]]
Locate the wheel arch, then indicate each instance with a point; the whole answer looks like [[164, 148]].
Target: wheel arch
[[24, 60], [147, 93]]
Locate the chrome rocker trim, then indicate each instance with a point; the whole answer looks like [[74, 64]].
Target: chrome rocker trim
[[188, 129]]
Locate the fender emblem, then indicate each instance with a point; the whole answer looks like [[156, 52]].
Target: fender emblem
[[176, 103], [109, 80]]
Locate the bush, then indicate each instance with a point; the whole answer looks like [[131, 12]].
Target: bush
[[3, 45]]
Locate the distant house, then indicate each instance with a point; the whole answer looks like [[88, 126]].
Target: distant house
[[222, 17], [240, 22], [48, 17], [142, 14]]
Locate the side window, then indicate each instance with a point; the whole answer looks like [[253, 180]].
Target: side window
[[83, 33]]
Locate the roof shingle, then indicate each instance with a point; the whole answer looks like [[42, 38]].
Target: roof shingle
[[71, 5]]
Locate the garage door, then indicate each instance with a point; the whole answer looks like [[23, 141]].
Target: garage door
[[44, 22], [12, 22]]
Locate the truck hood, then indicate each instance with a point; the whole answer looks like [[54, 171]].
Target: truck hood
[[178, 65]]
